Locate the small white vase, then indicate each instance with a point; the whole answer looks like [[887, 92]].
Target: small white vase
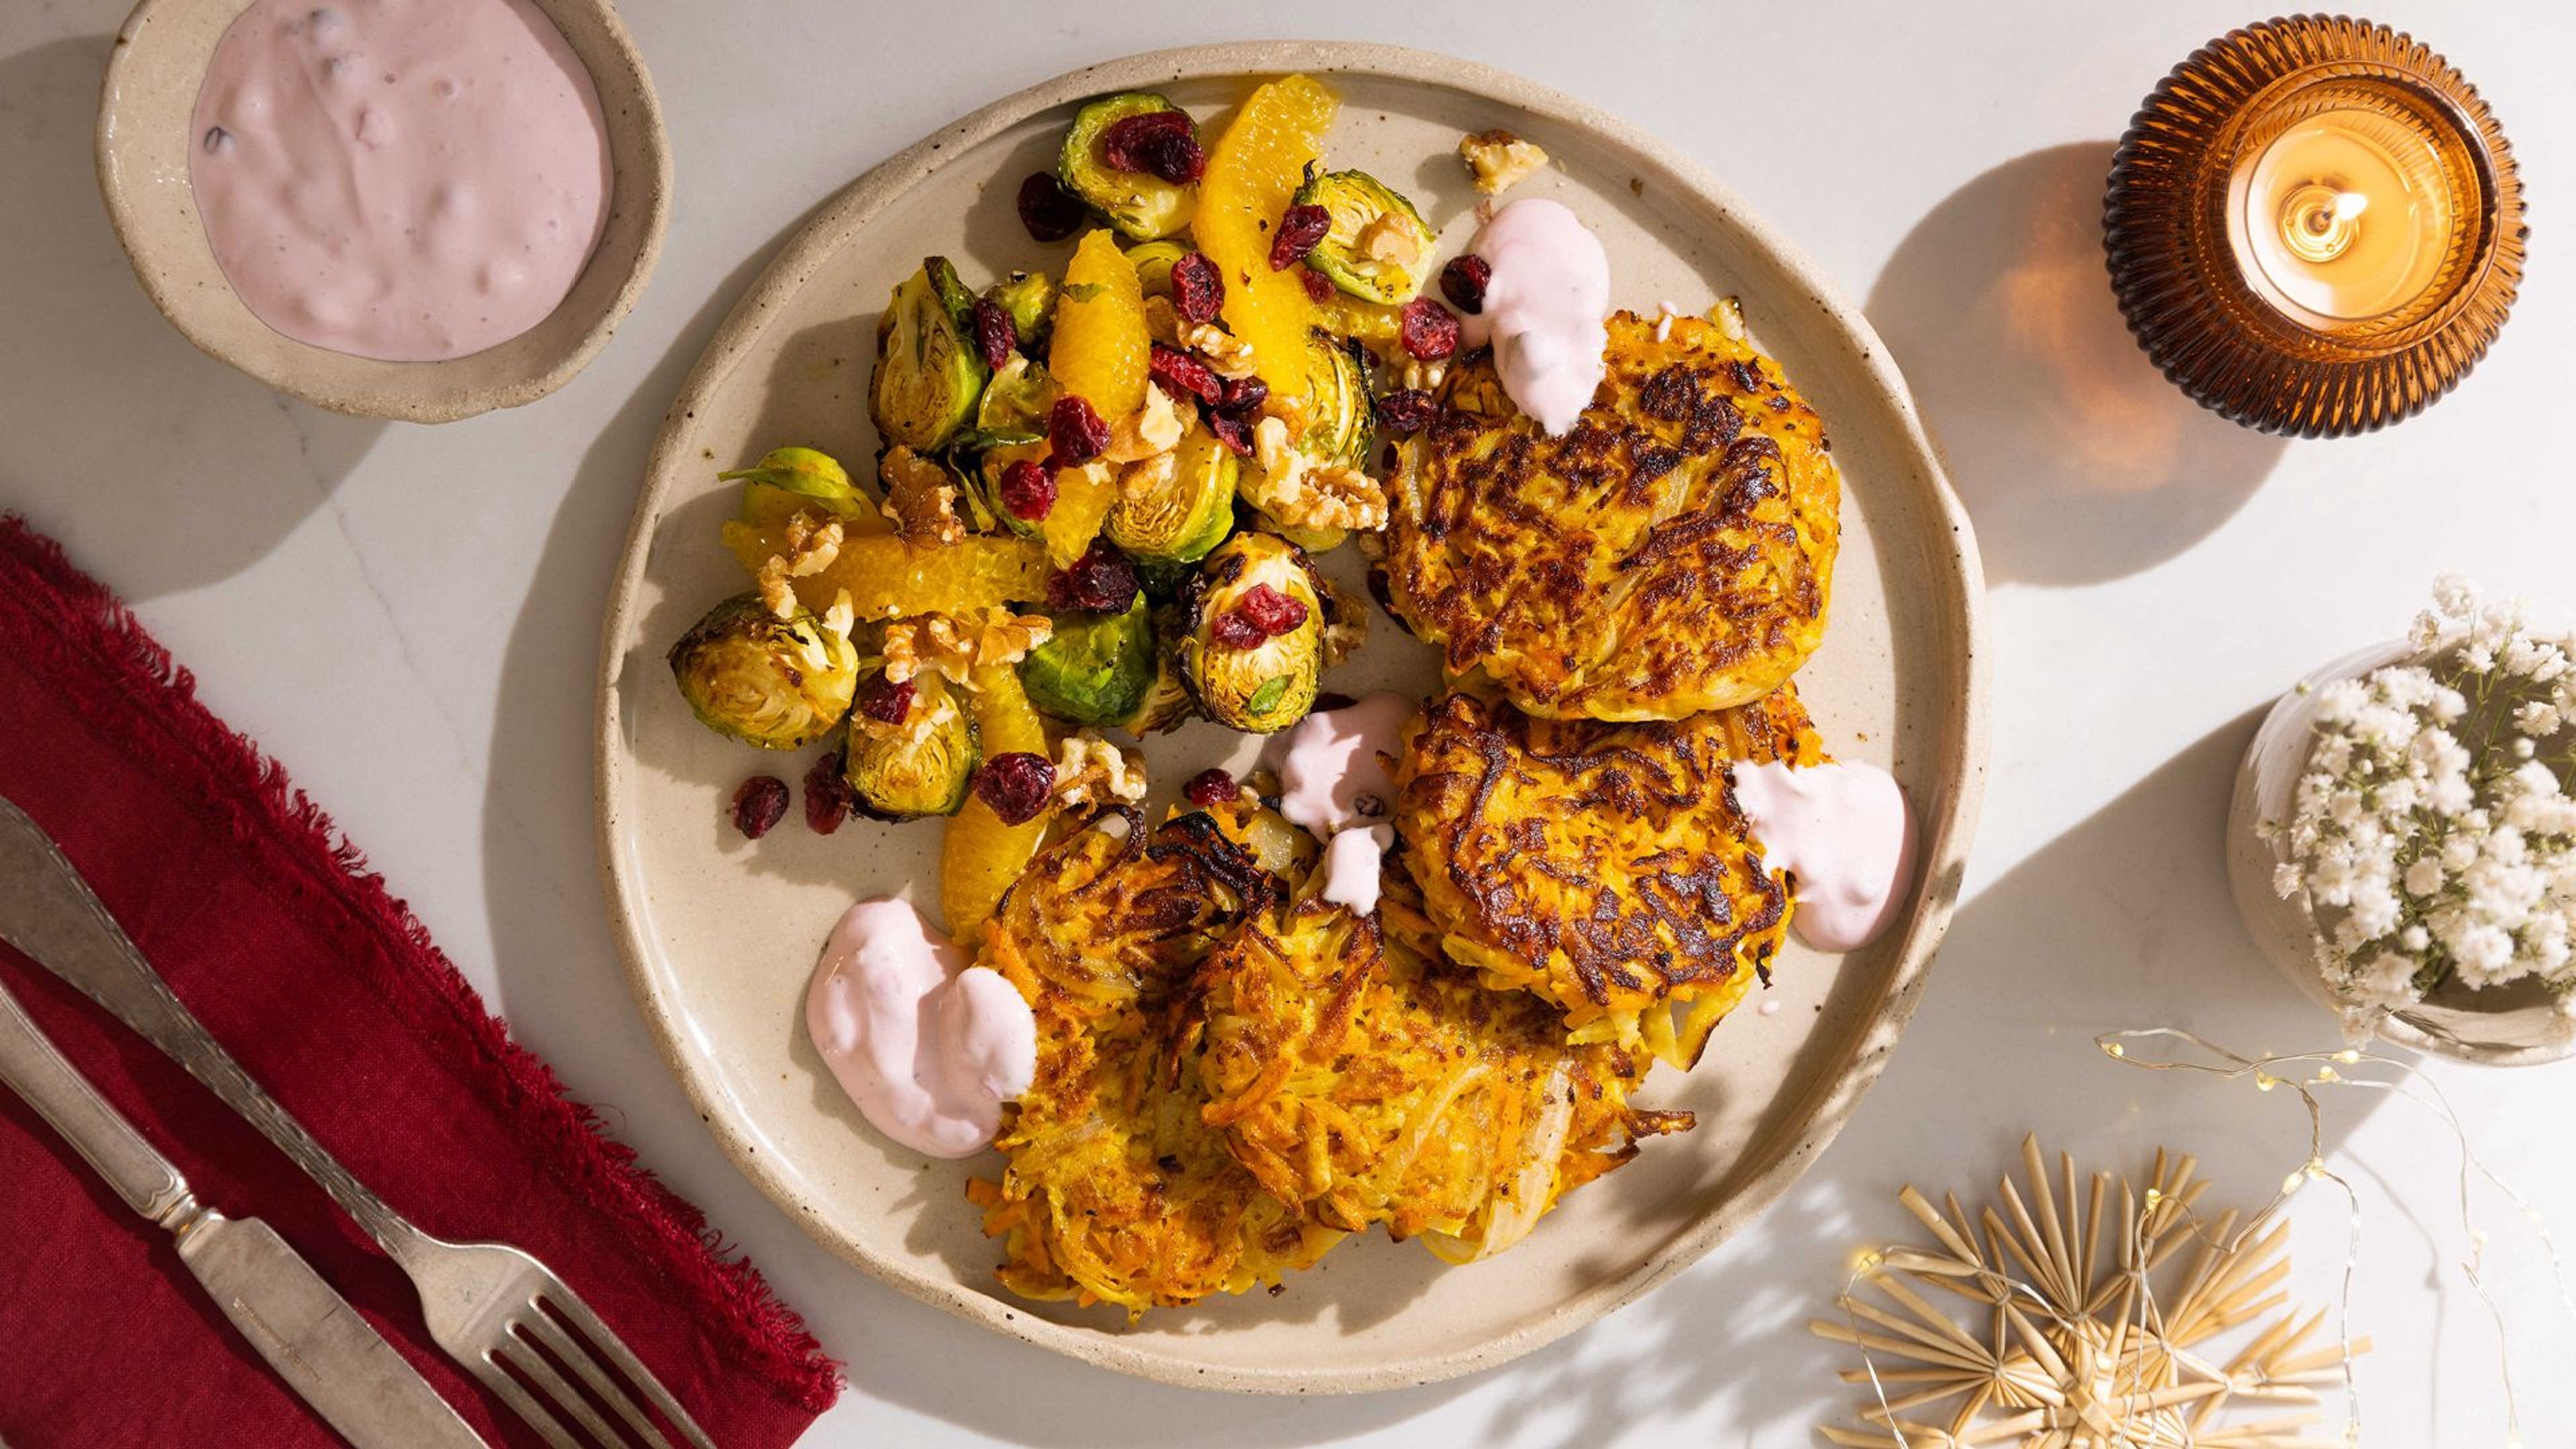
[[2501, 1026]]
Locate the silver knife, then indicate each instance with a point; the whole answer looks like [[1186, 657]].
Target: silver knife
[[329, 1355]]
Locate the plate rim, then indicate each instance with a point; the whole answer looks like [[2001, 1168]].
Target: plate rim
[[1960, 774]]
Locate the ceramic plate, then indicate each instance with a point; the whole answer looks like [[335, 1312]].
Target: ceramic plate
[[720, 933]]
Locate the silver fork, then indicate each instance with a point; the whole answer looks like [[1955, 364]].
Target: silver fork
[[494, 1309]]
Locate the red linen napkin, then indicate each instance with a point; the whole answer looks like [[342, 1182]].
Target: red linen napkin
[[266, 923]]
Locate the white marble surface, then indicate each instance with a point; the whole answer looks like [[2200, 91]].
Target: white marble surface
[[408, 617]]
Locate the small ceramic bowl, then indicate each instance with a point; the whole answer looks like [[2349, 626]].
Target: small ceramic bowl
[[145, 128]]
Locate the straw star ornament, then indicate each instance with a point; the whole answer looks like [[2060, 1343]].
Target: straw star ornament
[[2087, 1303]]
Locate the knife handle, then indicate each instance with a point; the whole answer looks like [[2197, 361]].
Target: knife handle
[[51, 914], [97, 1131]]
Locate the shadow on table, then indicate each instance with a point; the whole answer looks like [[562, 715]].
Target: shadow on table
[[2076, 458], [2123, 921], [144, 455]]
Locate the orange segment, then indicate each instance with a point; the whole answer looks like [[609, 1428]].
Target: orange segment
[[1251, 175], [888, 577], [980, 856], [1083, 497], [1099, 350]]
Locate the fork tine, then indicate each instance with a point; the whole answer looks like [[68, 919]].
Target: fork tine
[[568, 1399], [569, 1351], [578, 1314], [496, 1378]]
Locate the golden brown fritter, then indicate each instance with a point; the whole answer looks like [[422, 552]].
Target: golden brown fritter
[[1605, 868], [1115, 1191], [1672, 553], [1372, 1082]]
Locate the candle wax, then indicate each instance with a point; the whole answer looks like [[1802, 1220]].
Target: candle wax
[[2343, 216]]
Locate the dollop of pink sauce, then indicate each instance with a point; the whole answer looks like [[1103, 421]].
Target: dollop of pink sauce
[[407, 180], [1845, 832], [1333, 779], [927, 1046], [1544, 308]]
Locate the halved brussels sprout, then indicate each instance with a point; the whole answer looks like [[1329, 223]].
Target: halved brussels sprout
[[1138, 205], [992, 460], [1167, 701], [1312, 540], [1095, 669], [920, 767], [1014, 408], [777, 683], [792, 480], [929, 373], [1185, 517], [1378, 249], [1030, 299], [1153, 261], [1338, 411], [1268, 686]]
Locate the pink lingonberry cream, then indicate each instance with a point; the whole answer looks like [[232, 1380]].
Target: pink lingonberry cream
[[1843, 831], [406, 180], [928, 1047]]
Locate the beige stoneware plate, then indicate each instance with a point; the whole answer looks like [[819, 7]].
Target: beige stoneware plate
[[145, 130], [721, 933]]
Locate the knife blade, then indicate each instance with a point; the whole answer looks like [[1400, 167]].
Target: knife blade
[[333, 1358]]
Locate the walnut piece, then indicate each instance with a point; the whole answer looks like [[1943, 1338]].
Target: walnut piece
[[1091, 771], [921, 498], [956, 645], [1139, 480], [812, 545], [1391, 239], [1156, 428], [1497, 159], [1288, 486], [1224, 353]]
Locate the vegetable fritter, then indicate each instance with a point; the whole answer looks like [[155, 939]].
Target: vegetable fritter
[[1372, 1082], [1673, 552], [1605, 868], [1115, 1191]]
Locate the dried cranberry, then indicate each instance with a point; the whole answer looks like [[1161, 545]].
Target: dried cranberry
[[1319, 288], [887, 702], [1075, 431], [1136, 143], [1183, 375], [828, 796], [1429, 330], [1198, 288], [1234, 430], [1232, 630], [1173, 156], [1016, 785], [1300, 228], [1028, 490], [758, 805], [1243, 394], [1406, 410], [1271, 611], [1463, 282], [1210, 788], [1050, 212], [1102, 581], [996, 335]]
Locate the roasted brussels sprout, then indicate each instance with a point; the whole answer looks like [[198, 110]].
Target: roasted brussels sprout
[[777, 683], [984, 481], [791, 480], [920, 765], [1096, 669], [1137, 204], [1339, 412], [1378, 248], [1030, 299], [1014, 408], [1246, 663], [929, 373], [1154, 265], [1188, 514], [1167, 701]]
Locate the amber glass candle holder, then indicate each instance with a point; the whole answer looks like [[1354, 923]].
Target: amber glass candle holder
[[2315, 226]]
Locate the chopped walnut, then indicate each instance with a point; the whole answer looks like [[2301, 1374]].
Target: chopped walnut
[[1422, 376], [1140, 479], [843, 615], [1091, 771], [1728, 314], [921, 498], [1224, 353], [1288, 486], [1498, 158], [1391, 239], [930, 713], [1291, 411], [1156, 428], [812, 545], [956, 645]]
